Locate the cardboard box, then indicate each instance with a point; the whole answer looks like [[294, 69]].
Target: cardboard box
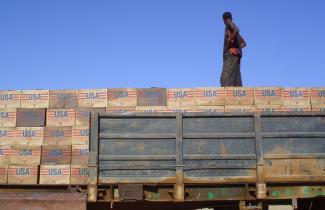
[[209, 96], [30, 117], [22, 174], [6, 136], [35, 99], [180, 97], [180, 109], [80, 135], [3, 174], [268, 95], [58, 135], [92, 98], [60, 117], [63, 99], [83, 115], [80, 154], [29, 136], [296, 96], [239, 96], [210, 109], [318, 108], [296, 108], [79, 174], [318, 96], [25, 155], [151, 108], [54, 174], [268, 108], [237, 108], [120, 109], [9, 99], [56, 155], [152, 97], [121, 97], [8, 117], [4, 154]]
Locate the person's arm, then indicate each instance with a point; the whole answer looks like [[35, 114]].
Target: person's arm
[[234, 31]]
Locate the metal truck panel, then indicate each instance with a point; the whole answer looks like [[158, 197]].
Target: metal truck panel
[[260, 153]]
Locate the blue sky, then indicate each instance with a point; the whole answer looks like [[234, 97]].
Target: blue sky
[[59, 44]]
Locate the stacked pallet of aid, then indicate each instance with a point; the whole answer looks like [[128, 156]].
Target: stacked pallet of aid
[[21, 139], [318, 99], [239, 99]]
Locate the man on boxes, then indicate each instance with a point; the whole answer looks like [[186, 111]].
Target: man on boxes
[[232, 53]]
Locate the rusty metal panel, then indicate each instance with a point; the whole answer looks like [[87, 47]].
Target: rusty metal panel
[[54, 174], [79, 174], [22, 174], [293, 147], [63, 99], [42, 201], [30, 117], [8, 117], [131, 149], [151, 97], [219, 149], [56, 155], [25, 155], [57, 135], [10, 99], [257, 149]]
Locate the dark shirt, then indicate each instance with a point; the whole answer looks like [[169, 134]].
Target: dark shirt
[[232, 28]]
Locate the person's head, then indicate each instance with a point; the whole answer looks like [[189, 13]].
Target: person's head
[[227, 17]]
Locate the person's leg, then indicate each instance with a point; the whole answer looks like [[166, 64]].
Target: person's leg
[[238, 81], [229, 71]]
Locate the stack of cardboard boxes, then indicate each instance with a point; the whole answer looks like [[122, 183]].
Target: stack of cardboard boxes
[[44, 134]]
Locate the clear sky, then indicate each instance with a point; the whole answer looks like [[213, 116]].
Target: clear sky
[[59, 44]]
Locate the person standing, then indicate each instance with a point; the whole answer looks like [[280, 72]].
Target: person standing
[[232, 53]]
